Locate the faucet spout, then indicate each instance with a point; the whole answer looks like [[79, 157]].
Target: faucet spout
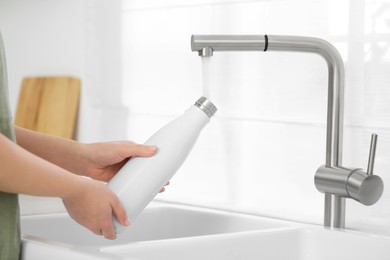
[[228, 42], [334, 204], [294, 44]]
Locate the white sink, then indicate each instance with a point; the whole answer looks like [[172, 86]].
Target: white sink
[[171, 231], [294, 244], [159, 221]]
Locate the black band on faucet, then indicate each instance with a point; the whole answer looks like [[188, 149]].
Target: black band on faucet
[[266, 42]]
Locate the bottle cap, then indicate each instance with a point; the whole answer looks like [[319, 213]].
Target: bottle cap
[[206, 106]]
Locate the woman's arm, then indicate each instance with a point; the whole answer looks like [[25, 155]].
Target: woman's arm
[[63, 152], [88, 201], [100, 161], [22, 172]]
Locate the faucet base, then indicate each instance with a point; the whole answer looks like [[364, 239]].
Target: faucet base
[[334, 211]]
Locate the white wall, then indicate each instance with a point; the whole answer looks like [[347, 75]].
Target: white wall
[[260, 152], [80, 38], [42, 38]]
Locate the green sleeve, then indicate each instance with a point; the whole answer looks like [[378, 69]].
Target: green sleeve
[[9, 205]]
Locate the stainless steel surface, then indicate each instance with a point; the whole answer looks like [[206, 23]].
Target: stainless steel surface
[[363, 187], [371, 158], [336, 181], [332, 180], [334, 215], [367, 189], [206, 106], [206, 52], [228, 42]]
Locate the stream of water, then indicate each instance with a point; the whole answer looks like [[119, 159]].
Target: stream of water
[[206, 77]]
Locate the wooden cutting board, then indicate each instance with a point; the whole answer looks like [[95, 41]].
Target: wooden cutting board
[[49, 105]]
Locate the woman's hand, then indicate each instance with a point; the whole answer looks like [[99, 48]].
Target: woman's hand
[[104, 160], [92, 205]]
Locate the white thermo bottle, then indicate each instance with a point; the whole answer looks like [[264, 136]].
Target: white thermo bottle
[[141, 178]]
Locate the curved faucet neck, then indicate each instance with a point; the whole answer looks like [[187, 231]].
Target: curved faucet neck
[[334, 139], [206, 45]]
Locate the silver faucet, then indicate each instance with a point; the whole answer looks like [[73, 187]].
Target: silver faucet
[[336, 181]]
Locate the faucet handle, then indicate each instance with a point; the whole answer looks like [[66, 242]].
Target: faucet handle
[[366, 187], [371, 157]]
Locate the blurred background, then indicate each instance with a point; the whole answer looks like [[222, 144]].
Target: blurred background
[[259, 154]]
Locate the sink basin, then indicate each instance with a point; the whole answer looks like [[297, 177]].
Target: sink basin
[[293, 244], [157, 222], [172, 231]]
